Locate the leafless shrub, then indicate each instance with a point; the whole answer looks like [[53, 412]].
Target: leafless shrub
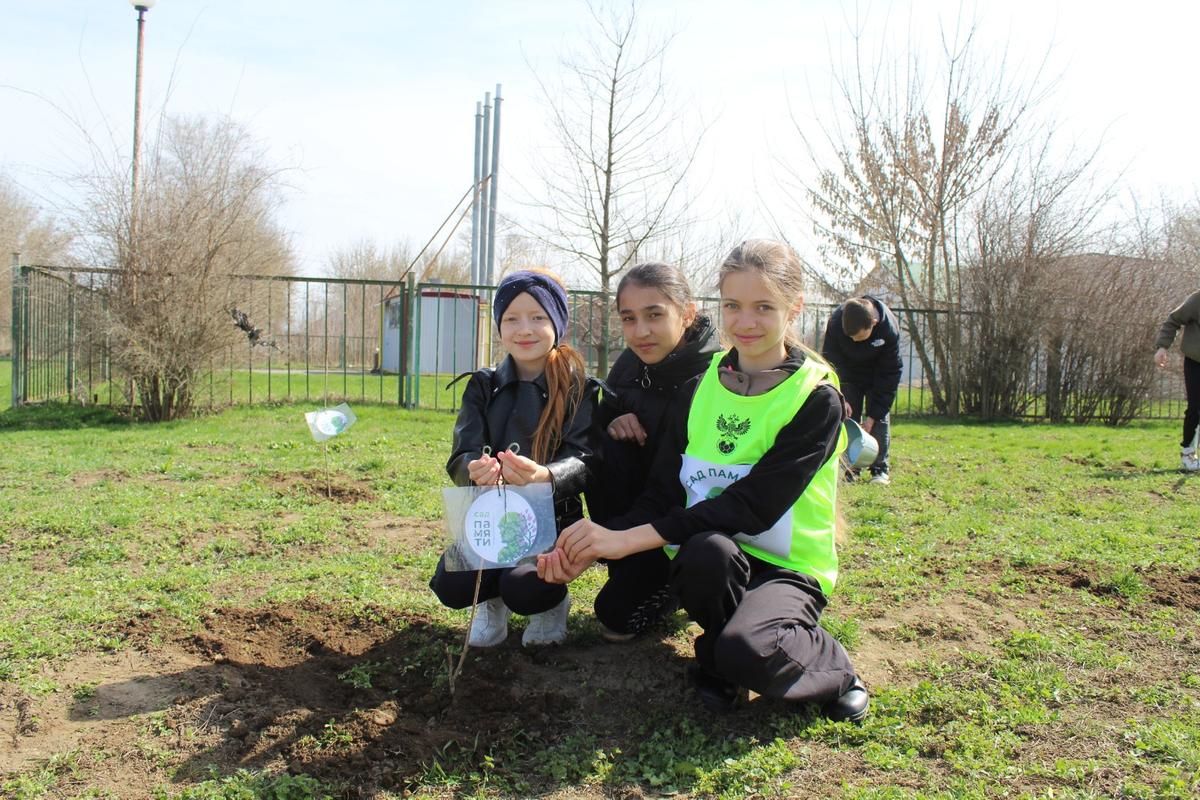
[[1014, 275], [203, 216], [1098, 341]]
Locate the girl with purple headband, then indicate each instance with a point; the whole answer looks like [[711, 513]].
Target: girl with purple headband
[[539, 398]]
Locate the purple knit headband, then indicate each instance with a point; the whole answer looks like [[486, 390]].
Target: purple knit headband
[[549, 295]]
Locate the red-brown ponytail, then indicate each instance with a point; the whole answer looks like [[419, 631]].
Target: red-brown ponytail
[[565, 379]]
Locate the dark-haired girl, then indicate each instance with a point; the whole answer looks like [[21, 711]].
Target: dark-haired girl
[[667, 345]]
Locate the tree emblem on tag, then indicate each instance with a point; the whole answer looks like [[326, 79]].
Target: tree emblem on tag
[[501, 528], [731, 429]]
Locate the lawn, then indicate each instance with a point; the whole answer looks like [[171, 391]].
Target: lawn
[[216, 390], [185, 612], [5, 383]]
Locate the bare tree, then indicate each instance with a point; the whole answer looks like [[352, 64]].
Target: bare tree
[[917, 153], [204, 217], [622, 153], [39, 238]]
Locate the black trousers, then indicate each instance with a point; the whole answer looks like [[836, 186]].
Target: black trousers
[[520, 587], [760, 622], [1191, 385], [856, 396], [636, 594]]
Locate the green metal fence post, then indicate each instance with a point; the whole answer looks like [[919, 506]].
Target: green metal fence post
[[17, 338], [70, 336], [26, 334], [416, 373], [410, 325]]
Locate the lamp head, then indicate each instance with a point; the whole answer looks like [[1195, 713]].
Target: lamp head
[[143, 5]]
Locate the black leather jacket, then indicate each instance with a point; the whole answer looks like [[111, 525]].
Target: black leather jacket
[[645, 390], [499, 409]]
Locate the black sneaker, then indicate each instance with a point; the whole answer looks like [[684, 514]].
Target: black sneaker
[[716, 694], [851, 706]]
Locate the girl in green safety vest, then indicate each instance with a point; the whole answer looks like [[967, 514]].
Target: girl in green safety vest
[[743, 495]]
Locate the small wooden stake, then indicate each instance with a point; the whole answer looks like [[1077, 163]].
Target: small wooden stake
[[456, 671]]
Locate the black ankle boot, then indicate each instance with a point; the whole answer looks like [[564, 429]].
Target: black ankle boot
[[851, 706], [716, 694]]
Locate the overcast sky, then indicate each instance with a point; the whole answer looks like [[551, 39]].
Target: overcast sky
[[373, 101]]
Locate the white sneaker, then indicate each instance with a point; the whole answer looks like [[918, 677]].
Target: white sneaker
[[490, 626], [881, 478], [1188, 461], [548, 627]]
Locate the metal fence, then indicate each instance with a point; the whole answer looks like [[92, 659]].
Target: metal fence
[[325, 340]]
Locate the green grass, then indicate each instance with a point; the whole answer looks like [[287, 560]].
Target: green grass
[[243, 387], [180, 516], [5, 383], [246, 785], [1012, 577]]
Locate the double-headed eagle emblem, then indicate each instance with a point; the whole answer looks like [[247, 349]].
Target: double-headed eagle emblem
[[730, 428]]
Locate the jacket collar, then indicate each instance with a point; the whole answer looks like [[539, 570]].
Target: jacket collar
[[506, 373], [685, 362], [755, 383]]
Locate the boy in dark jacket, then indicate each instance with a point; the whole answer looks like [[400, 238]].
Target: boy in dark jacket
[[862, 342]]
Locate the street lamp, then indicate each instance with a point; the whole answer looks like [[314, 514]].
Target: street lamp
[[142, 7]]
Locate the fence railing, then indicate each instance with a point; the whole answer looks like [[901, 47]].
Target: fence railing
[[324, 340]]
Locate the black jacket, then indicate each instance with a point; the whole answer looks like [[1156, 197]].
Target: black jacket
[[645, 390], [756, 501], [499, 409], [873, 365]]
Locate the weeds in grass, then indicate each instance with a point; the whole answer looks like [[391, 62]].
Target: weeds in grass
[[245, 785], [360, 676], [43, 781], [1127, 584]]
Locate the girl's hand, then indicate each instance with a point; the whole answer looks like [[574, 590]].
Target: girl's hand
[[627, 428], [519, 470], [554, 567], [484, 471], [584, 542], [868, 424], [1160, 357]]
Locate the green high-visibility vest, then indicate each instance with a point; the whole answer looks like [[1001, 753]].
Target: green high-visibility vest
[[728, 433]]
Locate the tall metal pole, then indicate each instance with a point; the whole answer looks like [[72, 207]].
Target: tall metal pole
[[491, 227], [475, 266], [485, 174], [137, 120]]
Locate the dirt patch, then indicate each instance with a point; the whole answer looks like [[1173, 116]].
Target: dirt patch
[[338, 488], [304, 688], [1159, 584], [409, 531], [920, 632], [88, 479]]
